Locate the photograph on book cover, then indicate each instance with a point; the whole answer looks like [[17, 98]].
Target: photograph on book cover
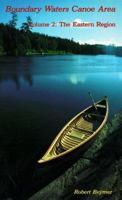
[[60, 99]]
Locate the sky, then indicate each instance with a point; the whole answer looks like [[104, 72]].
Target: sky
[[90, 35]]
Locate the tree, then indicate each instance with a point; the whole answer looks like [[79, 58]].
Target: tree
[[13, 21], [26, 26]]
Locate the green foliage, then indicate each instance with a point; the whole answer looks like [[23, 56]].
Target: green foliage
[[26, 26], [24, 42]]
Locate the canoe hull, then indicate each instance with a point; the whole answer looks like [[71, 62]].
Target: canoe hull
[[79, 131]]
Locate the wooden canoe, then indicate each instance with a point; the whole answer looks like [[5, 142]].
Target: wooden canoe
[[78, 131]]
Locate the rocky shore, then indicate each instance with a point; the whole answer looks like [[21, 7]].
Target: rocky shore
[[97, 175]]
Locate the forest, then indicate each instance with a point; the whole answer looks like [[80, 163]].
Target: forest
[[23, 41]]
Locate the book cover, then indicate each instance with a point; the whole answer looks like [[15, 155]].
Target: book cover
[[60, 99]]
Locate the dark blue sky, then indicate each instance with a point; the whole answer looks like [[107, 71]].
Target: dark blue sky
[[83, 35]]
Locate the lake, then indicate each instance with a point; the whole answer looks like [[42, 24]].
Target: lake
[[38, 95]]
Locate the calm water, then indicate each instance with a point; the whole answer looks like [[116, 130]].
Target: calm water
[[38, 95]]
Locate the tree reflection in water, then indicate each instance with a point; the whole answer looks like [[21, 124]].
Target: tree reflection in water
[[16, 69]]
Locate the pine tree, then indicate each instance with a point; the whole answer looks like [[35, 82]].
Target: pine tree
[[26, 26], [13, 21]]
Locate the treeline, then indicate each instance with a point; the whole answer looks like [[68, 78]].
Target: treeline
[[25, 42]]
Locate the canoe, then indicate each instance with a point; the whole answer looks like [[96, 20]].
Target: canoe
[[79, 131]]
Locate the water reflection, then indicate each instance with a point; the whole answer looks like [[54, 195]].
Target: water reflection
[[120, 75], [15, 70], [77, 78], [32, 117]]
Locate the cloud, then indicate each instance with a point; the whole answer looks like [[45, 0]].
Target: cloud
[[111, 41], [78, 20]]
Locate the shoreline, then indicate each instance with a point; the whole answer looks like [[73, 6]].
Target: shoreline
[[81, 179], [37, 54], [54, 54]]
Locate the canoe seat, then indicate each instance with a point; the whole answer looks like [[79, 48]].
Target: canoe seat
[[96, 115], [84, 123], [100, 106], [85, 130], [76, 133]]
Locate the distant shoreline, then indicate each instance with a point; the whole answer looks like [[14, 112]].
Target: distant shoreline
[[39, 54], [24, 42], [54, 54]]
